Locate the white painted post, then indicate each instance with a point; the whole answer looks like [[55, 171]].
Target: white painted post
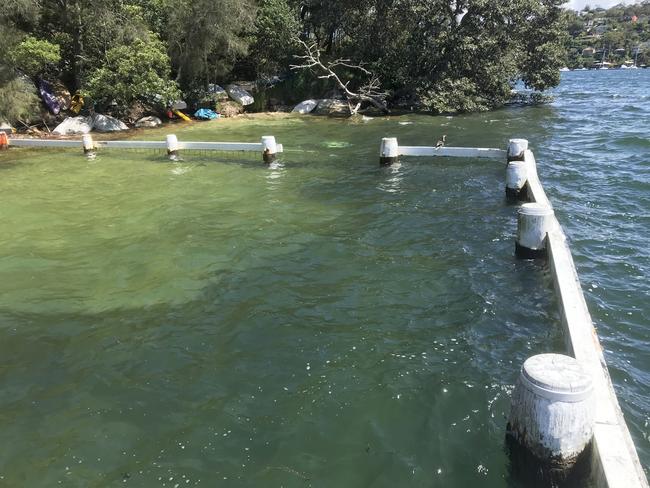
[[269, 149], [389, 151], [551, 414], [89, 146], [172, 147], [516, 149], [534, 222], [516, 178]]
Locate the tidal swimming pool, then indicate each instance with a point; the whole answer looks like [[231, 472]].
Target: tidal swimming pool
[[324, 322]]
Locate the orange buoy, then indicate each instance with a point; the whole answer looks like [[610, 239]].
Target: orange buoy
[[4, 141]]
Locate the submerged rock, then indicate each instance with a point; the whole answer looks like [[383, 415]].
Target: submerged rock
[[74, 125], [106, 123], [150, 121], [306, 107], [333, 108], [238, 94]]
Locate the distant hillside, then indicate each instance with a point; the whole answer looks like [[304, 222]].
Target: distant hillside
[[619, 35]]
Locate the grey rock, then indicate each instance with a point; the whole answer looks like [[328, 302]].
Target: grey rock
[[74, 125], [106, 123], [150, 121], [306, 107], [333, 108]]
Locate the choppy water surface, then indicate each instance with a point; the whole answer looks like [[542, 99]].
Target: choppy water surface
[[325, 322]]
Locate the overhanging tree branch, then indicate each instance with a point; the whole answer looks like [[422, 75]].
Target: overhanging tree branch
[[369, 92]]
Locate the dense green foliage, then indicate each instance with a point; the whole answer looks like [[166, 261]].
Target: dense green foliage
[[440, 55], [137, 72], [618, 35], [35, 57]]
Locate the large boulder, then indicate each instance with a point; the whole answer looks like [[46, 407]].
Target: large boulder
[[106, 123], [74, 125], [150, 121], [333, 108], [306, 107], [239, 95]]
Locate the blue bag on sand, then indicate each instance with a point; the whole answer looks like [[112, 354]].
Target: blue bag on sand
[[205, 114]]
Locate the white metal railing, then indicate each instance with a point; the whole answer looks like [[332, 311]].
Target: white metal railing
[[268, 146]]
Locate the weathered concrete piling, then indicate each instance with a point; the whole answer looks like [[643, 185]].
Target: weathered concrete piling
[[534, 222], [89, 146], [516, 149], [172, 147], [516, 171], [551, 416], [389, 151], [269, 149]]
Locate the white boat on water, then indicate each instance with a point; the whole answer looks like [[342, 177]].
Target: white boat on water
[[565, 69]]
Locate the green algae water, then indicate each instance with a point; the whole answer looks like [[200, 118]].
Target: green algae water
[[322, 322]]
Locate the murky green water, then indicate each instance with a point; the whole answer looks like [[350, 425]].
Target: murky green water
[[325, 322]]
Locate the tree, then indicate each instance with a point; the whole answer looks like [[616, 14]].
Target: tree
[[35, 57], [275, 37], [368, 92], [137, 72], [206, 37]]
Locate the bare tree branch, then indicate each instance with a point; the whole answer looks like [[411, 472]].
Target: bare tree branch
[[369, 92]]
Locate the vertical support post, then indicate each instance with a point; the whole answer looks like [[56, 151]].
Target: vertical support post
[[89, 146], [172, 147], [516, 178], [551, 418], [534, 222], [269, 149], [389, 151], [517, 149], [516, 170]]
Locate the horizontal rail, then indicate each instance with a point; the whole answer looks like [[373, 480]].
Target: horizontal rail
[[453, 152], [535, 189], [42, 143], [204, 146]]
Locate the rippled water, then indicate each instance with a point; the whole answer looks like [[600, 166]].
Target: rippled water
[[325, 322]]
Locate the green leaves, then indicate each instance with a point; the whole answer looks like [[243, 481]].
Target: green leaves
[[137, 72], [35, 57]]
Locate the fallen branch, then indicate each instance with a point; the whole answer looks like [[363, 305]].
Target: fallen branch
[[370, 92]]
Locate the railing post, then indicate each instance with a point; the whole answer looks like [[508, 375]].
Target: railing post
[[534, 222], [551, 417], [172, 147], [516, 170], [517, 149], [269, 149], [89, 146], [389, 151]]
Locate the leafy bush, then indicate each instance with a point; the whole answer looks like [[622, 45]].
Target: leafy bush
[[18, 100], [35, 57], [137, 72]]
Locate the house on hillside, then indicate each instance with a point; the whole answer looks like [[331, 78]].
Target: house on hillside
[[588, 52]]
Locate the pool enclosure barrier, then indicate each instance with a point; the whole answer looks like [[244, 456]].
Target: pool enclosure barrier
[[562, 405], [268, 148]]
